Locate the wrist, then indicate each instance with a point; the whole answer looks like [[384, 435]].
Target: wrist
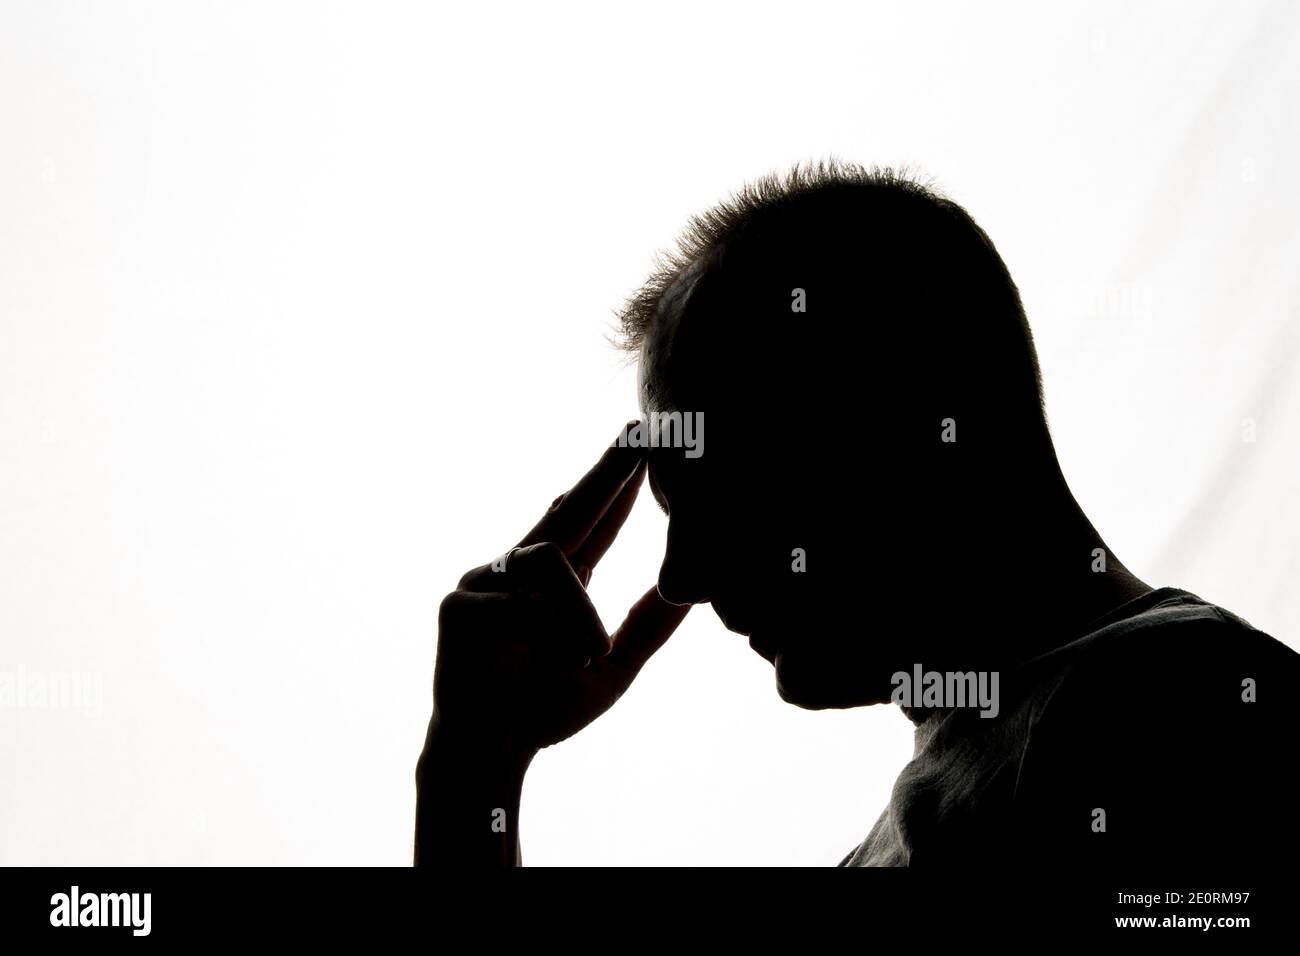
[[481, 753]]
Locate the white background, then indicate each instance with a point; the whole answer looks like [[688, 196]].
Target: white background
[[302, 314]]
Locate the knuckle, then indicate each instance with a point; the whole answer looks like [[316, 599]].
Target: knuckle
[[449, 609], [548, 553]]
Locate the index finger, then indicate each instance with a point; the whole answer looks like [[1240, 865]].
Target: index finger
[[575, 513]]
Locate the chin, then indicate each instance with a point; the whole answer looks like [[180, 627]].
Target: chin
[[813, 688]]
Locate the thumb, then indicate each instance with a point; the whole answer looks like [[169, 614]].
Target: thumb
[[648, 625]]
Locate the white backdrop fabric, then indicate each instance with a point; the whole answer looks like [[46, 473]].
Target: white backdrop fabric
[[302, 314]]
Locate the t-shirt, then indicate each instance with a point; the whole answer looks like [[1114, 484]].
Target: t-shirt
[[1166, 734]]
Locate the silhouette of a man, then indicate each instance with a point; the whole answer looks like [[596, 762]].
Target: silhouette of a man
[[879, 508]]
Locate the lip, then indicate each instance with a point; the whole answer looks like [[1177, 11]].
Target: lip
[[730, 621], [741, 625]]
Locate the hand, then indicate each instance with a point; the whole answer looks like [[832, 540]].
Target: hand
[[523, 659]]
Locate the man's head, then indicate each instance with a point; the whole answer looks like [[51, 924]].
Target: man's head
[[873, 412]]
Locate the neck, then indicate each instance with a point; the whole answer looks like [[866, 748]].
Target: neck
[[1066, 578], [1053, 577]]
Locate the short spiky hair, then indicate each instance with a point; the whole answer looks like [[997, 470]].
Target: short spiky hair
[[706, 232], [955, 268]]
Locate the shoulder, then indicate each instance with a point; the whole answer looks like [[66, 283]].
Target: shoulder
[[1173, 727], [1177, 660], [1146, 653], [1185, 673]]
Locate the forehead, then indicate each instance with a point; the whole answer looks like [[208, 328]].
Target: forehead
[[655, 347]]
